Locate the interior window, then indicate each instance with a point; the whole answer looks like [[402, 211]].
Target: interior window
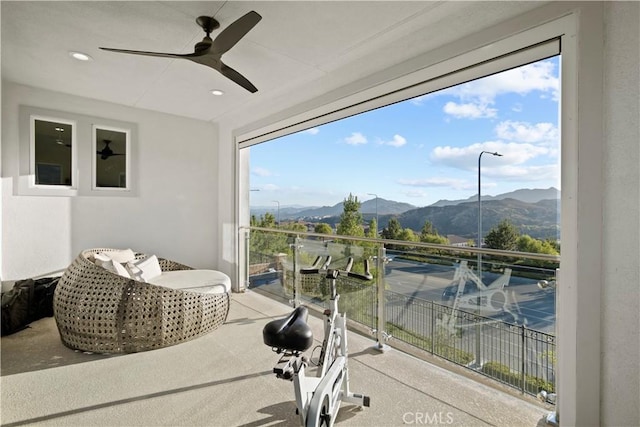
[[52, 152], [111, 158]]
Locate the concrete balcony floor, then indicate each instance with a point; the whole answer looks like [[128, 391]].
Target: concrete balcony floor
[[225, 379]]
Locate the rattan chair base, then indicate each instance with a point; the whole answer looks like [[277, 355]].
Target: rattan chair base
[[99, 311]]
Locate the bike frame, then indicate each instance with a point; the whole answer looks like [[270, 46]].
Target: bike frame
[[318, 398]]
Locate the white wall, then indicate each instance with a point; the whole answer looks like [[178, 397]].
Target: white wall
[[620, 319], [173, 215]]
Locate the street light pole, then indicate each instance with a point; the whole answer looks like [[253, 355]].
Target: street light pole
[[479, 241], [374, 194], [478, 362], [275, 201]]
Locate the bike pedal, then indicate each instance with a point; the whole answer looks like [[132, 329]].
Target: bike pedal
[[283, 369], [366, 401]]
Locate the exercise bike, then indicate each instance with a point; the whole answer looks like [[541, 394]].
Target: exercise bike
[[317, 398]]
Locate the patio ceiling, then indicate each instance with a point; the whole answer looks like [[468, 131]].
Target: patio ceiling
[[298, 50]]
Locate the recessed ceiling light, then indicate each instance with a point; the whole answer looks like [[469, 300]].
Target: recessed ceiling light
[[80, 56], [217, 92]]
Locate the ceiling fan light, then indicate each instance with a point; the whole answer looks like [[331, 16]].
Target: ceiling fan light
[[217, 92], [80, 56]]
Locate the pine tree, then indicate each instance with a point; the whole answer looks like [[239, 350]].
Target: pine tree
[[351, 219], [503, 236], [393, 230]]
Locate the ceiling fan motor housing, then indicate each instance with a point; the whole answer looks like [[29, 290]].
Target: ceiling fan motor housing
[[207, 23]]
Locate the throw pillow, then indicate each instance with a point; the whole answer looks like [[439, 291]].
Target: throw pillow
[[145, 269], [116, 267], [100, 259], [121, 256]]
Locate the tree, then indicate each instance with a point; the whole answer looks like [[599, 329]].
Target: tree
[[295, 226], [434, 238], [373, 229], [554, 244], [263, 244], [408, 235], [323, 228], [351, 219], [392, 230], [267, 221], [527, 243], [427, 230], [503, 236], [429, 234]]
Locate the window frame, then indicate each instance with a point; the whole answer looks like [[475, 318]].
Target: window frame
[[579, 26]]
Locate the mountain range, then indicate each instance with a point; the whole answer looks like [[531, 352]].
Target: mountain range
[[534, 211], [528, 195]]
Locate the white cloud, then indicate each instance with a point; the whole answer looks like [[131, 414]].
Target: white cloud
[[527, 132], [356, 138], [469, 110], [538, 76], [466, 158], [269, 187], [258, 171], [312, 131], [397, 141], [479, 95]]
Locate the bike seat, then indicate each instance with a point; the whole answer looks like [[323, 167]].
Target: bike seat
[[289, 333]]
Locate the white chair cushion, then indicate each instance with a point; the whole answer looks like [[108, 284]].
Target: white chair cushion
[[203, 281]]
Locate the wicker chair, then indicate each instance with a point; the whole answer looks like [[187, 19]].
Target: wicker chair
[[99, 311]]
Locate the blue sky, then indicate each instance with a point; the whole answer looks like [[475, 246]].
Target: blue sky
[[424, 149]]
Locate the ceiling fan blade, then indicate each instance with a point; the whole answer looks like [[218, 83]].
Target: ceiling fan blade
[[232, 74], [234, 32], [158, 54]]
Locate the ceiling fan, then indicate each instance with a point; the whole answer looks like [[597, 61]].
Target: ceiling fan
[[208, 52], [107, 152]]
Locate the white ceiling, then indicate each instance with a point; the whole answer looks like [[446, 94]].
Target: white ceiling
[[299, 49]]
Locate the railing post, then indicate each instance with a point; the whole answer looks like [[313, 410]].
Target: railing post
[[433, 328], [247, 261], [523, 353], [381, 309], [296, 274], [478, 328]]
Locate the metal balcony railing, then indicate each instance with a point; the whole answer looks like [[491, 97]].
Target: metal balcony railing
[[498, 322]]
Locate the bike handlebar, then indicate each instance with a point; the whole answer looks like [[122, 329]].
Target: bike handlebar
[[334, 273]]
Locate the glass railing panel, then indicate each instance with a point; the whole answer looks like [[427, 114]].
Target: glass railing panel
[[499, 321], [267, 257], [357, 297]]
